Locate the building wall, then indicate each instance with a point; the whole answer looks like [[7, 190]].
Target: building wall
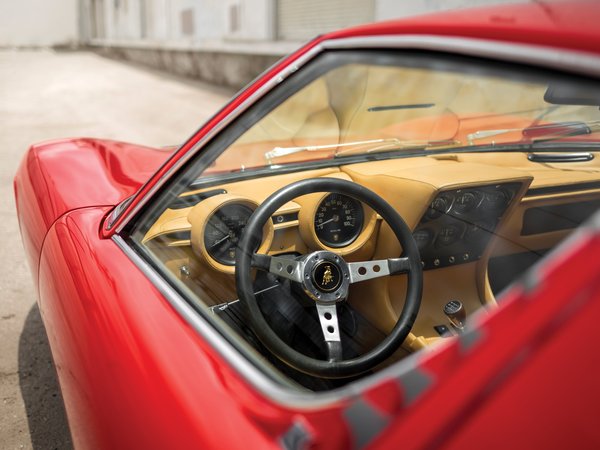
[[218, 21], [33, 23], [230, 41], [303, 20], [256, 20], [196, 22], [394, 9]]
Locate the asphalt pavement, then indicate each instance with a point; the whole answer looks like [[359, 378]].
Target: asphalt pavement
[[45, 95]]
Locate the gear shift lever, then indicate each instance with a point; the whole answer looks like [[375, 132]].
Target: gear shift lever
[[456, 314]]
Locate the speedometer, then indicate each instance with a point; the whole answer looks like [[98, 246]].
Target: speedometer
[[339, 220], [223, 231]]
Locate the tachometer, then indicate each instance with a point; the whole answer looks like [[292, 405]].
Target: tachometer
[[339, 220], [223, 231]]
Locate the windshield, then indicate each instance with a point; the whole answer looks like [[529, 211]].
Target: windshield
[[358, 108]]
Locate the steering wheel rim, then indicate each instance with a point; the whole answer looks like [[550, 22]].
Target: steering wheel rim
[[247, 259]]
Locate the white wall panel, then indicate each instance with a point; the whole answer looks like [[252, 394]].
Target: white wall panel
[[302, 20], [26, 23]]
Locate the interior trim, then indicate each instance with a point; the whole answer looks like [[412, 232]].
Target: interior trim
[[560, 157], [567, 188]]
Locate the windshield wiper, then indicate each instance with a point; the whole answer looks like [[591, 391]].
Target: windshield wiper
[[368, 146], [398, 144], [278, 152], [541, 132]]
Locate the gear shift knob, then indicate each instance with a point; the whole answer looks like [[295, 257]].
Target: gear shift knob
[[456, 314]]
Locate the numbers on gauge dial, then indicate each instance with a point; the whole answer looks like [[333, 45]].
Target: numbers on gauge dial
[[223, 231], [338, 220]]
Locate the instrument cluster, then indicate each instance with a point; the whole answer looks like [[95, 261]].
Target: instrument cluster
[[454, 229], [331, 221], [458, 224]]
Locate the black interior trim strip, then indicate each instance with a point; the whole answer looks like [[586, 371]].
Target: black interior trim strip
[[563, 188], [560, 157]]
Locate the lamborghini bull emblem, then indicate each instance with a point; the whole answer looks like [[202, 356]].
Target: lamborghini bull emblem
[[327, 276]]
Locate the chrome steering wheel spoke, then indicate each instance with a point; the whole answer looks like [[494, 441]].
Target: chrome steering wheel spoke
[[285, 267], [367, 270], [331, 330]]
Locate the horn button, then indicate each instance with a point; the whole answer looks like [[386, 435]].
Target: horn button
[[326, 277]]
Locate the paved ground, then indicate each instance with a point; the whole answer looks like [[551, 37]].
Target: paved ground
[[45, 95]]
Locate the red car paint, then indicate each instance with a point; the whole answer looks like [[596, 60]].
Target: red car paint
[[134, 374], [63, 175]]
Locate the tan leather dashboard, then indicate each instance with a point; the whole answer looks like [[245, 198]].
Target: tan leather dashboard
[[411, 186]]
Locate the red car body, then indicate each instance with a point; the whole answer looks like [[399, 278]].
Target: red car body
[[135, 374]]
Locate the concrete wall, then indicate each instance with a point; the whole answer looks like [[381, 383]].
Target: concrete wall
[[256, 21], [185, 21], [222, 41], [209, 21], [226, 68], [34, 23], [394, 9]]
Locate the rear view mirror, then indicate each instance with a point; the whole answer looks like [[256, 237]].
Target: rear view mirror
[[573, 94]]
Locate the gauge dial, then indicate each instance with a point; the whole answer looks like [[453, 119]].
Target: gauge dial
[[338, 220], [466, 201], [223, 232], [496, 200], [440, 205], [479, 230], [448, 235], [423, 237]]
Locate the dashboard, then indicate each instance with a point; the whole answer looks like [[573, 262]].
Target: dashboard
[[464, 212], [455, 228]]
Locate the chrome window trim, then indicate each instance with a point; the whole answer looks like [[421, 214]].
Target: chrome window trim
[[577, 62]]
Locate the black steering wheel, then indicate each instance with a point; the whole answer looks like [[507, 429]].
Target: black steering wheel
[[326, 278]]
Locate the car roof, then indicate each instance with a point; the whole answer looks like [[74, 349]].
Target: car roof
[[569, 25]]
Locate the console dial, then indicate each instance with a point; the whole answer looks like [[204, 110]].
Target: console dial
[[423, 237], [496, 200], [439, 206], [466, 201], [448, 235]]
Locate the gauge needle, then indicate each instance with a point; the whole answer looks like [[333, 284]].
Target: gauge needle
[[219, 241], [326, 222]]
